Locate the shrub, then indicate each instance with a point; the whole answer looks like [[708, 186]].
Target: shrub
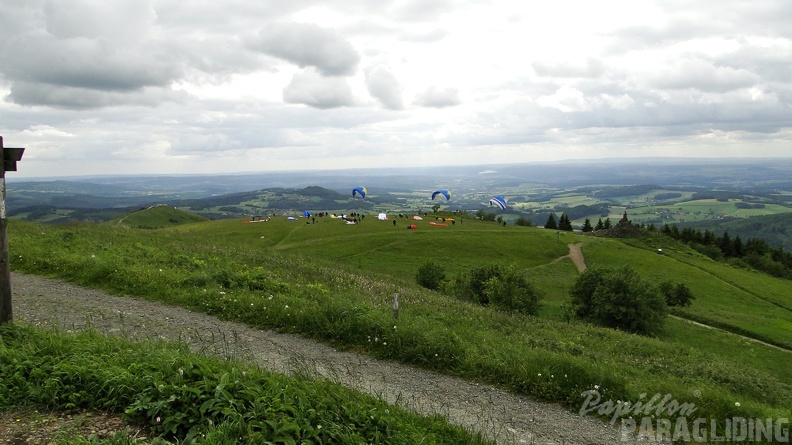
[[511, 291], [676, 294], [620, 299], [431, 276]]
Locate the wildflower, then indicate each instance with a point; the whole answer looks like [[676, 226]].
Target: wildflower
[[158, 419], [181, 372], [222, 293], [737, 404], [540, 374], [286, 307], [384, 343], [596, 386]]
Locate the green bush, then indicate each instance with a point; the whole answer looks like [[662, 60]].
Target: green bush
[[676, 294], [620, 299], [431, 276], [511, 291]]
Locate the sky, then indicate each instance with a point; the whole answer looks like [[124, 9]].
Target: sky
[[193, 87]]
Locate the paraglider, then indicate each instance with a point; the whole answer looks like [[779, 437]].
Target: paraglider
[[360, 191], [498, 201], [445, 193]]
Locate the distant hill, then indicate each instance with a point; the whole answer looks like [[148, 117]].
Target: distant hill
[[775, 229], [158, 216]]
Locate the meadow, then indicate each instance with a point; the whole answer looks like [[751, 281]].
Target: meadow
[[335, 282]]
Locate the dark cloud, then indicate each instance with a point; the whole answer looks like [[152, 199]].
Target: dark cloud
[[383, 86], [76, 98], [308, 45], [312, 89]]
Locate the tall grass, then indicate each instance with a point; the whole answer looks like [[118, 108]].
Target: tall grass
[[189, 397], [221, 269]]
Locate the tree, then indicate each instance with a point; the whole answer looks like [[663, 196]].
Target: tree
[[435, 208], [620, 299], [587, 226], [564, 223], [624, 221], [600, 225], [551, 222], [608, 224]]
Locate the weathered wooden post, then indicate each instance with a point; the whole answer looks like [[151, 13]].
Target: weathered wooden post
[[10, 155], [396, 305]]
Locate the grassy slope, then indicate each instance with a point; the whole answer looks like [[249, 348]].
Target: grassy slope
[[158, 216], [336, 273]]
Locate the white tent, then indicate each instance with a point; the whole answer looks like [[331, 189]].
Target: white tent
[[382, 217]]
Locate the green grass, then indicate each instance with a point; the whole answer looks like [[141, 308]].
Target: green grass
[[185, 396], [157, 217], [335, 282]]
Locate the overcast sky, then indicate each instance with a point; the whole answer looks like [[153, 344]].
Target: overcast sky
[[173, 86]]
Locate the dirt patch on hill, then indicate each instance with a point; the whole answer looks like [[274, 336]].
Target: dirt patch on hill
[[508, 418]]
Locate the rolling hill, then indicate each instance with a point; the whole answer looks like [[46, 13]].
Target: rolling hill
[[335, 282]]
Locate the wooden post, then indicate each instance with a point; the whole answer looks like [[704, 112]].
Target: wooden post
[[396, 305], [10, 156]]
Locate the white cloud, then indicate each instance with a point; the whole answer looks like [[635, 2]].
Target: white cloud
[[436, 97], [308, 45], [130, 85], [315, 90], [383, 86]]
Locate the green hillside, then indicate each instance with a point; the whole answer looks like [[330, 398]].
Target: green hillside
[[335, 282], [157, 217], [775, 229]]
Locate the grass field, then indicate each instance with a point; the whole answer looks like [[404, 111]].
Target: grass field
[[337, 281]]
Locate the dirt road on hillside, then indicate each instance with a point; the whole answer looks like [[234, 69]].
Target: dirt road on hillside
[[508, 418]]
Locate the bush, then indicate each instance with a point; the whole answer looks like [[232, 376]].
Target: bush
[[620, 299], [676, 294], [431, 276], [511, 291]]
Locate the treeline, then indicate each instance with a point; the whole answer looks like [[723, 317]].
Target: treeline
[[755, 252]]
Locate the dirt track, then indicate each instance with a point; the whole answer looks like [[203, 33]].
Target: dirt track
[[508, 418]]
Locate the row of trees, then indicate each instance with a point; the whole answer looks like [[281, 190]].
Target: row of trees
[[565, 224], [755, 252]]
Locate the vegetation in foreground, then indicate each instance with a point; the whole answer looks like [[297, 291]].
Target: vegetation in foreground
[[336, 283], [187, 397]]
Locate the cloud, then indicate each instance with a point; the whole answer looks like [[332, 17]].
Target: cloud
[[590, 68], [308, 45], [435, 97], [312, 89], [77, 98], [703, 75], [383, 86]]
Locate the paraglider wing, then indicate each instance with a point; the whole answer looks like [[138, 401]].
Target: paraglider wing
[[498, 201], [445, 193], [360, 191]]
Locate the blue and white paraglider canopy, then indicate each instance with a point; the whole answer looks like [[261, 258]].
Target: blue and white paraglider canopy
[[499, 201], [443, 192], [360, 191]]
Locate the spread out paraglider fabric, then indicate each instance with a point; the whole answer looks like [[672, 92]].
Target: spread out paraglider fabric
[[498, 201], [445, 193], [360, 191]]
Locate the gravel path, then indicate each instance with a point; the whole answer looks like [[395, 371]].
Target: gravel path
[[508, 418]]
